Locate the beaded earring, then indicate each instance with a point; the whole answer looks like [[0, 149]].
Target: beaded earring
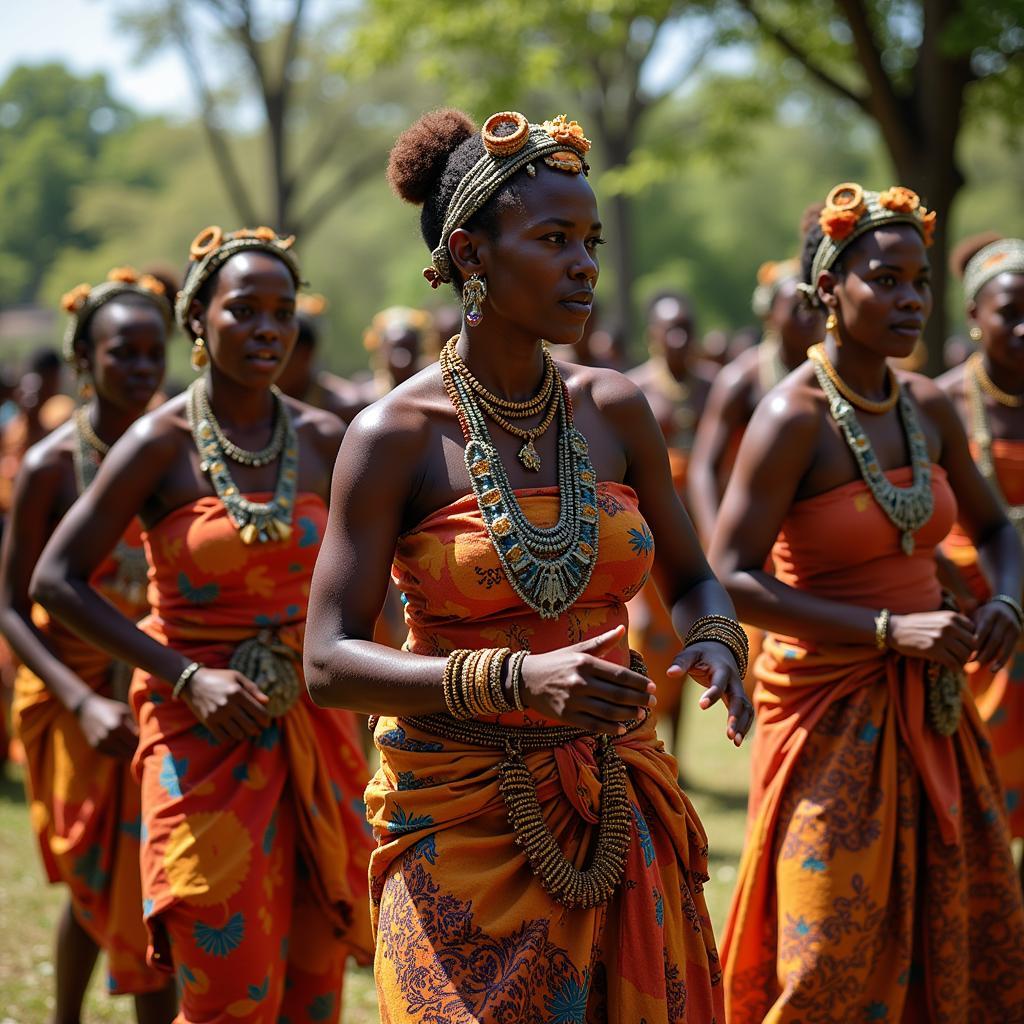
[[474, 291], [200, 357]]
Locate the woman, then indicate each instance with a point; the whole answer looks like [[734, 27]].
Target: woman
[[70, 707], [791, 326], [253, 854], [877, 854], [491, 897], [988, 393]]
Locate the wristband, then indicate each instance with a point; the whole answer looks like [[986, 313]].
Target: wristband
[[882, 629], [182, 681], [1014, 605], [80, 703]]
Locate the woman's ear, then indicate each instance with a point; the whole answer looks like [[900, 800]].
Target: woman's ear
[[827, 282], [468, 252], [197, 318]]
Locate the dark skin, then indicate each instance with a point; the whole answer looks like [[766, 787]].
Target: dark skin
[[250, 328], [124, 356], [793, 450], [402, 460], [734, 394]]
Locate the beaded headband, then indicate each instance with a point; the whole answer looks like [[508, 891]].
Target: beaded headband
[[851, 211], [771, 276], [83, 300], [510, 144], [211, 249], [1003, 257]]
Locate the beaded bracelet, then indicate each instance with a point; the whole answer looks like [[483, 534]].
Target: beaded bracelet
[[882, 629], [182, 681], [1014, 604], [472, 683], [723, 630], [515, 678]]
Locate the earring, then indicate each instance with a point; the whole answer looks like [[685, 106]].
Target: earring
[[831, 323], [474, 291], [85, 388], [200, 357], [975, 333]]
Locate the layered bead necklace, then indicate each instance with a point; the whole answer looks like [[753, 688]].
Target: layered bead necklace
[[547, 567], [976, 380], [908, 508], [256, 521]]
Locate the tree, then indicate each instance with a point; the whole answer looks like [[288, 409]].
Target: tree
[[910, 66]]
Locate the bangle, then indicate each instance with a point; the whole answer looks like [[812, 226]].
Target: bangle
[[723, 630], [515, 678], [80, 703], [882, 629], [1014, 604], [183, 680]]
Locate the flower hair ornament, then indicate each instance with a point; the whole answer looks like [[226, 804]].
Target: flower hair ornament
[[851, 211], [212, 248], [1005, 256], [84, 300], [771, 276], [511, 143]]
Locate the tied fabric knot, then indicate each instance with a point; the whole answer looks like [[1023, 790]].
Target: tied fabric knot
[[579, 777]]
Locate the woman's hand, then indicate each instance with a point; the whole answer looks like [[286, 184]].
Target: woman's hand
[[998, 631], [108, 726], [227, 703], [713, 665], [943, 636], [575, 685]]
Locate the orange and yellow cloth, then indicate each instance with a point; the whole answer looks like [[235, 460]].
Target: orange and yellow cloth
[[85, 806], [464, 929], [1000, 697], [254, 853], [876, 881]]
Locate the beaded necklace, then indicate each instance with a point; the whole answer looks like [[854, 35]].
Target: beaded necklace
[[976, 364], [818, 355], [908, 508], [255, 520], [981, 435], [547, 567]]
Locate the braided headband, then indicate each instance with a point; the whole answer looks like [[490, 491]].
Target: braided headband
[[83, 300], [211, 249], [1003, 257], [771, 276], [510, 143], [851, 211]]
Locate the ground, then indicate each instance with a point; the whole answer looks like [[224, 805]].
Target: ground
[[716, 783]]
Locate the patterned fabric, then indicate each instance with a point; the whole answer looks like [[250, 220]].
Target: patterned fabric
[[465, 932], [1001, 697], [85, 806], [254, 853], [877, 860]]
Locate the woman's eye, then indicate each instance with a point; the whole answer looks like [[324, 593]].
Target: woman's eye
[[886, 279], [240, 311], [556, 236], [593, 243]]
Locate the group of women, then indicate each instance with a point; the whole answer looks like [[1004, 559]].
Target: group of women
[[532, 856]]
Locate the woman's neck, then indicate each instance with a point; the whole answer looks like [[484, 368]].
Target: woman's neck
[[863, 371], [508, 365], [236, 405], [1005, 380], [109, 421]]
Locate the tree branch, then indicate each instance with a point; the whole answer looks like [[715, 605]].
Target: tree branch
[[350, 178]]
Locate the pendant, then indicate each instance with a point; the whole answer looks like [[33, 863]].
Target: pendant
[[907, 543], [528, 456]]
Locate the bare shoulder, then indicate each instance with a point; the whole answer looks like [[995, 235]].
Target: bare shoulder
[[934, 402], [612, 392], [51, 456], [162, 432], [793, 410], [739, 375], [319, 424]]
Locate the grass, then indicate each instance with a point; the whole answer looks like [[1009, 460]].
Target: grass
[[716, 783]]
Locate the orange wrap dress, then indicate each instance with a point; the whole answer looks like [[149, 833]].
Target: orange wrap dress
[[876, 882], [466, 934], [254, 853], [1000, 697], [85, 806]]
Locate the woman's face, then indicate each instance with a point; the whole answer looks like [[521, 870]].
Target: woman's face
[[127, 356], [999, 312], [883, 296], [671, 332], [250, 325], [799, 324], [542, 268]]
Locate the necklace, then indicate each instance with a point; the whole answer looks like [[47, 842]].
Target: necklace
[[548, 568], [255, 520], [491, 403], [976, 364], [908, 508], [981, 435], [229, 448], [817, 354]]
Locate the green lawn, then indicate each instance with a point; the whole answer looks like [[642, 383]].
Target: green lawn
[[716, 774]]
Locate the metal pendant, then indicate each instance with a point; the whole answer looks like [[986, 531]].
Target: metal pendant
[[528, 457], [907, 543]]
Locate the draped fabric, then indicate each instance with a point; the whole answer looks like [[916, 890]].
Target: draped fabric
[[1000, 696], [85, 806], [876, 881], [254, 852], [465, 931]]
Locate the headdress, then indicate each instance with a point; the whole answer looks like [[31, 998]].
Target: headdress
[[771, 276], [311, 304], [1003, 257], [83, 300], [402, 318], [851, 211], [510, 144], [212, 248]]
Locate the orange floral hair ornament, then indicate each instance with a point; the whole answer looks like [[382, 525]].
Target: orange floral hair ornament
[[500, 142], [213, 247], [311, 303]]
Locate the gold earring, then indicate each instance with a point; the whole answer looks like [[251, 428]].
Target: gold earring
[[831, 323], [85, 388], [200, 357], [474, 291], [975, 333]]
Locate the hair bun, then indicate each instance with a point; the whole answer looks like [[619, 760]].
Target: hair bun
[[420, 154], [964, 251]]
